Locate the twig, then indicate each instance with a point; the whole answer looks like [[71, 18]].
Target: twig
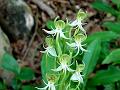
[[44, 7], [32, 39]]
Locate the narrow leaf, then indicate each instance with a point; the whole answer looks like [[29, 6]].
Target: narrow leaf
[[106, 76], [103, 36], [114, 56], [91, 57], [47, 64], [112, 26], [103, 6]]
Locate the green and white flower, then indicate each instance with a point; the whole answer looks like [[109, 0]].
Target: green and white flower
[[64, 60], [77, 77], [50, 49], [78, 22], [59, 26], [79, 38], [50, 85]]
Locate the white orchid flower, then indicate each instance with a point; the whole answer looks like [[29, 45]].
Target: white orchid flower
[[77, 77], [59, 26], [50, 85], [50, 50], [78, 22], [64, 60], [79, 38]]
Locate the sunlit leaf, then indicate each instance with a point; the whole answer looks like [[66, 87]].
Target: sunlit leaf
[[106, 76], [47, 64], [103, 36], [9, 63], [91, 57], [114, 56]]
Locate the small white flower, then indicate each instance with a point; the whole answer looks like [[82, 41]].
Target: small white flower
[[50, 50], [64, 59], [78, 22], [77, 77], [59, 26], [49, 86], [51, 83], [78, 43]]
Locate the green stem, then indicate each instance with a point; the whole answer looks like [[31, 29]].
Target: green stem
[[62, 82], [59, 51]]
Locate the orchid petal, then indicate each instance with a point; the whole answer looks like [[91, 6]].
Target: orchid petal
[[44, 51], [81, 28], [77, 77], [74, 23], [63, 36], [53, 87], [70, 70], [82, 49], [52, 52], [71, 45], [50, 32], [58, 69], [44, 88]]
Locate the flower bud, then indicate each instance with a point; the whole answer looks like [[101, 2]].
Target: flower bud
[[60, 24]]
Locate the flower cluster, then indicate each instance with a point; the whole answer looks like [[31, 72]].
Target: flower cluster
[[65, 44]]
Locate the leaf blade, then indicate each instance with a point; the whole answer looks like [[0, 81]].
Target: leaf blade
[[105, 76], [90, 58], [114, 56]]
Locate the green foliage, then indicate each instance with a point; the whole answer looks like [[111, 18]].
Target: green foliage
[[103, 6], [50, 24], [2, 86], [106, 76], [91, 56], [28, 87], [112, 26], [26, 73], [114, 56], [103, 36], [9, 63], [48, 62]]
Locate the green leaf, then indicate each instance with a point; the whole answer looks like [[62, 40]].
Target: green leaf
[[48, 62], [113, 26], [105, 76], [103, 6], [26, 74], [50, 24], [114, 56], [110, 86], [91, 57], [2, 86], [117, 2], [28, 87], [103, 36], [9, 63]]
